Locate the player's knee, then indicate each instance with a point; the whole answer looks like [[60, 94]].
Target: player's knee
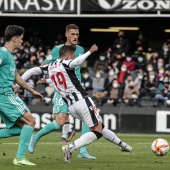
[[103, 126], [60, 119], [61, 122], [32, 122], [98, 134]]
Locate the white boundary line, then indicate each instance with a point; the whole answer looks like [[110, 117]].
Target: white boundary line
[[54, 143]]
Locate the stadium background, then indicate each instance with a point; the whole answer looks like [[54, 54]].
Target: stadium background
[[153, 29], [48, 27]]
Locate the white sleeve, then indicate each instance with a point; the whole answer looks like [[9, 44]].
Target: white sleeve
[[79, 60], [31, 72]]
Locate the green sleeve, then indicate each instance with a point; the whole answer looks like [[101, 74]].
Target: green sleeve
[[54, 55]]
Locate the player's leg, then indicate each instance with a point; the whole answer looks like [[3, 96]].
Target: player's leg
[[84, 140], [26, 132], [67, 131], [15, 111], [85, 113], [60, 115], [25, 137], [83, 150], [44, 131], [13, 131], [59, 120], [111, 136], [59, 106]]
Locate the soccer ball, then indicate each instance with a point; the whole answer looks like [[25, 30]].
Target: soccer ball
[[160, 147]]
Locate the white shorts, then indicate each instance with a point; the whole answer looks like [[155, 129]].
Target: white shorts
[[86, 111]]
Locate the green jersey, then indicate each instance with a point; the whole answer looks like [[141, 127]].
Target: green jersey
[[54, 55], [11, 106], [7, 70]]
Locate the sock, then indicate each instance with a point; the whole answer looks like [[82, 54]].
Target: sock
[[84, 130], [65, 129], [47, 129], [111, 136], [13, 131], [70, 128], [85, 139], [25, 137]]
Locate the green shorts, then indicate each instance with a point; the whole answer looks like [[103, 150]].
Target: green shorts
[[59, 105], [11, 108]]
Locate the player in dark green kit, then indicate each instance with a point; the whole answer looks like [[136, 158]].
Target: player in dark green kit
[[59, 106], [13, 110]]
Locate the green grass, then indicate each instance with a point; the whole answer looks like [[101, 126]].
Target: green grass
[[48, 155]]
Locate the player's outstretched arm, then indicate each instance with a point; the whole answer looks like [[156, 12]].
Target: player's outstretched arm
[[33, 71], [25, 77], [79, 60], [23, 84]]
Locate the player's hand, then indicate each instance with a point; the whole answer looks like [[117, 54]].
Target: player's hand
[[38, 95], [42, 80], [15, 88], [93, 48]]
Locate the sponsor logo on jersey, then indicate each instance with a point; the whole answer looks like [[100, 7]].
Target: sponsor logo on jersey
[[49, 57], [12, 69]]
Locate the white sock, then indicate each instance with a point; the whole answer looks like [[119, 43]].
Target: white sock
[[65, 129], [84, 140], [111, 136], [70, 127]]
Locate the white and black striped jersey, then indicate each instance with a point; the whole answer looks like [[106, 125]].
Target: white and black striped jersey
[[65, 80]]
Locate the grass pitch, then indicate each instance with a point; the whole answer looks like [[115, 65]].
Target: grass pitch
[[48, 156]]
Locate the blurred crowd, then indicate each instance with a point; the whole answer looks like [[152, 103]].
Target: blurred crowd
[[121, 74], [136, 77]]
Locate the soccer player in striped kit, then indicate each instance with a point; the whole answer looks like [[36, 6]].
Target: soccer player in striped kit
[[81, 106]]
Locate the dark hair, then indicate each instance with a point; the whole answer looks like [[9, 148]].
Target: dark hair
[[71, 26], [86, 71], [66, 49], [13, 30]]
